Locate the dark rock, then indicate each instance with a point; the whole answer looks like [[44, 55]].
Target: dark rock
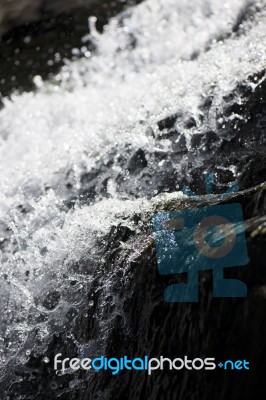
[[129, 324], [137, 162], [180, 145], [206, 103], [196, 140], [190, 123], [255, 170], [168, 122], [171, 134]]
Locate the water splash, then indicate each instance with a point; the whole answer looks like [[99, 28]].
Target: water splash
[[149, 62]]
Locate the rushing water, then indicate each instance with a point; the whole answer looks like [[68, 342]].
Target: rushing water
[[158, 58]]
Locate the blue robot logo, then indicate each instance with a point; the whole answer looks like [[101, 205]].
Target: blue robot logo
[[193, 240]]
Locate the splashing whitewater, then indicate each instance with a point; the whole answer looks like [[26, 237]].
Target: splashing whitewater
[[156, 58]]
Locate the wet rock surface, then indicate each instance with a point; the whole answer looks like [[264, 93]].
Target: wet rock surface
[[136, 321], [237, 146]]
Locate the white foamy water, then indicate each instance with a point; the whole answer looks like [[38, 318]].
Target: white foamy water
[[149, 62]]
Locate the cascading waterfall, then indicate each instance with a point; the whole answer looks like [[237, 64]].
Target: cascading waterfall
[[159, 58]]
